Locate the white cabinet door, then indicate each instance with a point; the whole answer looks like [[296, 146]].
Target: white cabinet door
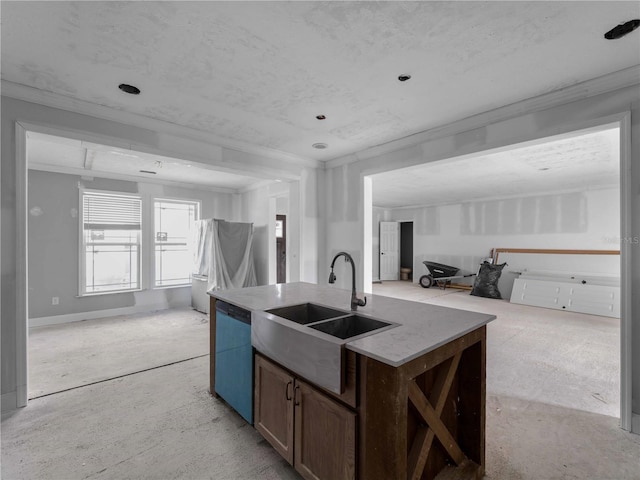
[[594, 299], [389, 251], [536, 293], [573, 297]]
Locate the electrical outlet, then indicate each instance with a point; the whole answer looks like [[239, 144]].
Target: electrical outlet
[[55, 300]]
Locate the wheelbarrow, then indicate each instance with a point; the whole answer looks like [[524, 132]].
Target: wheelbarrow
[[440, 274]]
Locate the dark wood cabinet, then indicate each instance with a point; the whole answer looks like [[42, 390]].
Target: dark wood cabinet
[[325, 436], [423, 419], [314, 433], [273, 406]]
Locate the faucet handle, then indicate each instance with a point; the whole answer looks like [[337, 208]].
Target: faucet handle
[[362, 302]]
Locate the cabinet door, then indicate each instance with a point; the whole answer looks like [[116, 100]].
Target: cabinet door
[[594, 299], [273, 415], [536, 293], [325, 436]]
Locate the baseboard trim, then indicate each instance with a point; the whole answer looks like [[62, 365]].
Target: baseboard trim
[[9, 402], [78, 317]]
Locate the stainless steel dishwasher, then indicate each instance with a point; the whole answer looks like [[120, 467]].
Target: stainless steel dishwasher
[[234, 358]]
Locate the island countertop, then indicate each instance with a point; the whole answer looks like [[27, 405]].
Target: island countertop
[[421, 327]]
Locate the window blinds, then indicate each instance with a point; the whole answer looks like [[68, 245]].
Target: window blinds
[[103, 211]]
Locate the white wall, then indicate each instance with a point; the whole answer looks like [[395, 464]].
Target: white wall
[[259, 206], [256, 210], [282, 208], [379, 214], [98, 127], [330, 202], [53, 244], [461, 235], [309, 222], [496, 129]]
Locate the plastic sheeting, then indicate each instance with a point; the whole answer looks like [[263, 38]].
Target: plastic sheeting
[[202, 247], [223, 252], [486, 283]]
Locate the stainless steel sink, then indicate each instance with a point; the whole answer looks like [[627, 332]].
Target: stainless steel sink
[[306, 313], [350, 326], [310, 339]]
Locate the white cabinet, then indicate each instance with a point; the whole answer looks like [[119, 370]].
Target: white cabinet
[[588, 298], [199, 296]]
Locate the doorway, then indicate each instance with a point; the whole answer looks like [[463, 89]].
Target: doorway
[[389, 250], [281, 248], [406, 251], [457, 230]]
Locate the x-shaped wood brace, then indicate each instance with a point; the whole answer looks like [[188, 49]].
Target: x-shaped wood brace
[[435, 427]]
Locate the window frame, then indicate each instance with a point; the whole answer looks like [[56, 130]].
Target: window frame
[[153, 243], [82, 245]]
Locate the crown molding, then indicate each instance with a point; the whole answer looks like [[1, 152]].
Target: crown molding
[[63, 102], [627, 77]]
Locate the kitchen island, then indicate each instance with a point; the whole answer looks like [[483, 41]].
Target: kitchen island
[[411, 402]]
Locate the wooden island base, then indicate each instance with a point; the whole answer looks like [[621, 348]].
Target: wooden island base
[[426, 418]]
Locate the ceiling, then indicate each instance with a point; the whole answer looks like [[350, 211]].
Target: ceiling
[[581, 161], [65, 155], [256, 74]]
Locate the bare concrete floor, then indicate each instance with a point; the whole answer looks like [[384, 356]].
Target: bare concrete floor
[[158, 424], [553, 388], [73, 354], [554, 357], [544, 419]]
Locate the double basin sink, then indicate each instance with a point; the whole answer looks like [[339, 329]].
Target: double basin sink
[[310, 339], [333, 322]]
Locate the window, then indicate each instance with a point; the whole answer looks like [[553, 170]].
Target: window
[[173, 230], [111, 231], [116, 252], [279, 228]]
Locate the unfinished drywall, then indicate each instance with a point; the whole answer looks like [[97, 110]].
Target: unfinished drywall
[[345, 225], [461, 235], [255, 209], [155, 137], [379, 215], [259, 207], [311, 240], [53, 244], [345, 181]]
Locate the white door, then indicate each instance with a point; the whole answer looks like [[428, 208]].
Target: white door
[[592, 299], [389, 251]]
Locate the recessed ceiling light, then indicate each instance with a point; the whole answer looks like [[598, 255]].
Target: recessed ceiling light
[[320, 146], [404, 77], [621, 30], [321, 117], [129, 89], [147, 171], [543, 169]]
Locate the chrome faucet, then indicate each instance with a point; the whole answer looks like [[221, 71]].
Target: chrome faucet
[[355, 301]]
